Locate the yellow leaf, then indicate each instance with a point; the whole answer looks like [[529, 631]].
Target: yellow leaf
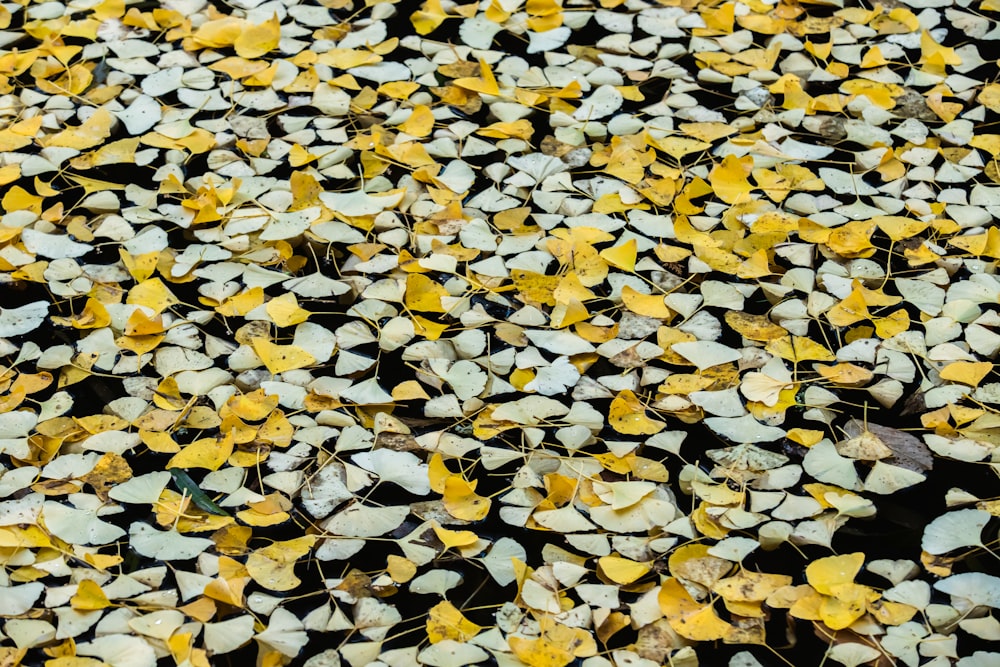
[[420, 122], [140, 267], [139, 324], [242, 303], [89, 597], [411, 390], [707, 131], [400, 569], [116, 152], [622, 571], [19, 199], [894, 323], [461, 501], [93, 316], [207, 453], [430, 15], [424, 294], [749, 586], [273, 566], [689, 618], [647, 305], [255, 41], [844, 374], [167, 395], [826, 573], [284, 310], [754, 327], [91, 132], [627, 415], [989, 97], [847, 605], [622, 256], [557, 646], [298, 156], [799, 348], [429, 329], [966, 372], [851, 310], [9, 173], [454, 538], [219, 33], [152, 294], [445, 621], [853, 239], [544, 15], [253, 406], [804, 436], [281, 358], [487, 84], [438, 473]]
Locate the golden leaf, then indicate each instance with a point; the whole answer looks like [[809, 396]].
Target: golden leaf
[[627, 415], [281, 358], [255, 41], [445, 621]]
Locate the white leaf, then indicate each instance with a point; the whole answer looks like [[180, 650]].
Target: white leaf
[[566, 519], [142, 114], [824, 464], [438, 582], [18, 599], [53, 246], [164, 544], [540, 42], [78, 526], [978, 588], [529, 410], [559, 342], [554, 379], [498, 561], [450, 653], [704, 353], [18, 321], [285, 633], [886, 479], [478, 32], [466, 378], [364, 521], [955, 530], [402, 468], [228, 636], [367, 392], [144, 489], [852, 654], [120, 650], [744, 429], [325, 491], [358, 203]]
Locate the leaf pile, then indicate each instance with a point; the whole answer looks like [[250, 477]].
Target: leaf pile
[[518, 333]]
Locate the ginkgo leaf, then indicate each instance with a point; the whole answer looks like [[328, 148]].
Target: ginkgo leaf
[[281, 358], [444, 621], [208, 453], [622, 570], [826, 574], [18, 321], [165, 545], [689, 618], [955, 530], [273, 566], [628, 416], [255, 41], [462, 502]]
